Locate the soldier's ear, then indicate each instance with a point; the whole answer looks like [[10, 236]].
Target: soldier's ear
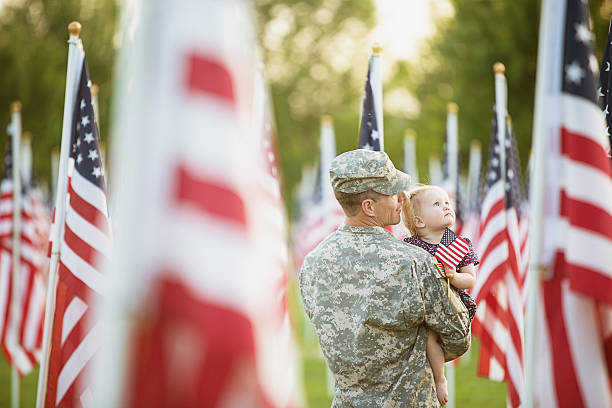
[[367, 206]]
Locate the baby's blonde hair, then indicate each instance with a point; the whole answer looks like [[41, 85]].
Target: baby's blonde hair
[[411, 206]]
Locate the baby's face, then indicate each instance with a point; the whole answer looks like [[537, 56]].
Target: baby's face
[[436, 210]]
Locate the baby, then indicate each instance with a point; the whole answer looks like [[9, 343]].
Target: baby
[[427, 213]]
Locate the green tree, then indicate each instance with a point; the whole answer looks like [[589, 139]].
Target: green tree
[[316, 60], [33, 56]]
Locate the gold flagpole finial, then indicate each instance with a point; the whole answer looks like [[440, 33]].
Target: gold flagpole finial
[[74, 28], [499, 68], [94, 90], [508, 119], [475, 144], [27, 136], [452, 107], [15, 107], [376, 48], [327, 120], [409, 134]]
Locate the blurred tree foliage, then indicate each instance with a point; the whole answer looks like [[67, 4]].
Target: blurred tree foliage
[[33, 56], [456, 65], [316, 57]]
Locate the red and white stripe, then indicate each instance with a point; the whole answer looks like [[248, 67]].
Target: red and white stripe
[[84, 253], [574, 329], [498, 293], [454, 253], [205, 265], [26, 353]]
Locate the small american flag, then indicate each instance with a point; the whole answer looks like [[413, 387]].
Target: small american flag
[[452, 248]]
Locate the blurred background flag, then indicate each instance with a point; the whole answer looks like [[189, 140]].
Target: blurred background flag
[[30, 302], [499, 318], [320, 212], [570, 324], [371, 135], [200, 264]]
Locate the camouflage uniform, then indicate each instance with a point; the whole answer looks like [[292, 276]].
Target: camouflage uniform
[[372, 299]]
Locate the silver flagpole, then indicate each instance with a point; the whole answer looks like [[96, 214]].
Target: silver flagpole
[[73, 71], [16, 266]]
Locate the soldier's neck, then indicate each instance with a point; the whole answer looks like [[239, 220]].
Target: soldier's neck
[[362, 220]]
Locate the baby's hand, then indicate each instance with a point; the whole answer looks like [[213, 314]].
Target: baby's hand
[[450, 272]]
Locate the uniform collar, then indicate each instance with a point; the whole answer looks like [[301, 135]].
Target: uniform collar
[[363, 229]]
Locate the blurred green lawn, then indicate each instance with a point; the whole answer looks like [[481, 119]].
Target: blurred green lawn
[[471, 391], [27, 389]]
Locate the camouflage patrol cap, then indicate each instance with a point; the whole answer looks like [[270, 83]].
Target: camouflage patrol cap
[[360, 170]]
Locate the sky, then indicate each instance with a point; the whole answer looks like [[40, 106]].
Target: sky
[[403, 25]]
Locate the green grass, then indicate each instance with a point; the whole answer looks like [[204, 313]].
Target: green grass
[[27, 386]]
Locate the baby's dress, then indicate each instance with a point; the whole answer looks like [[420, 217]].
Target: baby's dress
[[469, 258]]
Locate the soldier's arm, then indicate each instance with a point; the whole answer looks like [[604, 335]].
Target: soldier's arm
[[445, 314]]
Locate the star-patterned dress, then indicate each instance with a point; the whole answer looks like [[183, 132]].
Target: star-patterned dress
[[469, 258]]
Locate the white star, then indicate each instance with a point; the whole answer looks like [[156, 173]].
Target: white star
[[495, 162], [97, 172], [492, 175], [93, 155], [367, 146], [507, 186], [507, 143], [599, 92], [374, 135], [606, 110], [574, 73], [608, 67], [83, 103], [85, 120], [583, 34], [89, 84], [78, 141], [271, 157], [496, 149], [79, 159], [89, 137], [510, 174], [78, 126]]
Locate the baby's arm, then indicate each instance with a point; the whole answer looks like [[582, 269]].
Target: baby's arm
[[465, 279]]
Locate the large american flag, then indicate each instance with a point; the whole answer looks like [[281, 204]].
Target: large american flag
[[84, 252], [498, 290], [202, 277], [31, 296], [605, 79], [574, 320]]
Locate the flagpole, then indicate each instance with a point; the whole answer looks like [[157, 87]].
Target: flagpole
[[535, 196], [435, 170], [474, 172], [410, 164], [16, 265], [54, 166], [72, 72], [377, 91]]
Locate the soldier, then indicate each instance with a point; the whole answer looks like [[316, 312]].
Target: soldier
[[373, 298]]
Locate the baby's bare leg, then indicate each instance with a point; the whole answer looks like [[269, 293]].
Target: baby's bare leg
[[435, 355]]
